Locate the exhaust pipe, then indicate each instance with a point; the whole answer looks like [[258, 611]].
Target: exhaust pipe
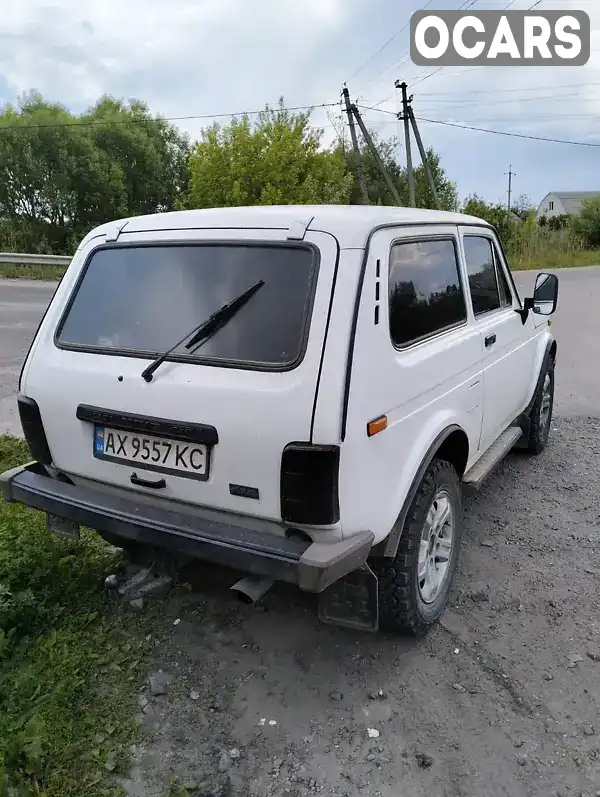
[[250, 589]]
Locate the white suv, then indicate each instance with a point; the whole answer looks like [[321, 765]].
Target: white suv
[[299, 393]]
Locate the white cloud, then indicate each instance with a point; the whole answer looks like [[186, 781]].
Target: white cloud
[[191, 57], [178, 53]]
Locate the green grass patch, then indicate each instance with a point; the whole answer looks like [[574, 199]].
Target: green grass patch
[[31, 272], [550, 259], [71, 661]]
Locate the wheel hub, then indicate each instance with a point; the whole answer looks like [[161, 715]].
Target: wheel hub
[[435, 551], [546, 403]]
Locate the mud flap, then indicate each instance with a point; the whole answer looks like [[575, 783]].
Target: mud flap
[[352, 601]]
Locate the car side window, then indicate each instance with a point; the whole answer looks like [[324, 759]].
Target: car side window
[[486, 293], [425, 291]]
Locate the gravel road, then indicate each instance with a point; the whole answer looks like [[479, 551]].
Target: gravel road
[[502, 699]]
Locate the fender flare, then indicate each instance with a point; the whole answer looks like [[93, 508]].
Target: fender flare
[[388, 547], [525, 418]]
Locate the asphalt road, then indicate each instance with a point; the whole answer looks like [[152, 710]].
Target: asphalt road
[[22, 304], [575, 325]]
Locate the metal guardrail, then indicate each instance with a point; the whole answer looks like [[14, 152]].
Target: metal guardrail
[[20, 259]]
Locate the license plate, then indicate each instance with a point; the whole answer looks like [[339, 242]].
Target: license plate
[[159, 454], [61, 527]]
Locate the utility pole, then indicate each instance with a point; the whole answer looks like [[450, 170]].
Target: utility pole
[[359, 164], [511, 174], [409, 166], [378, 161], [424, 159]]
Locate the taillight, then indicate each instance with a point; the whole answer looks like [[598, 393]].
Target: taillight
[[33, 429], [309, 484]]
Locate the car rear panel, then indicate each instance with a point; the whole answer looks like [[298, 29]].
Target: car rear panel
[[251, 414]]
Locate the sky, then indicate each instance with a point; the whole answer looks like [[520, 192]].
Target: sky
[[207, 57]]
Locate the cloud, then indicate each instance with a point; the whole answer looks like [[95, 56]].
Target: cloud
[[183, 56], [195, 57], [553, 102]]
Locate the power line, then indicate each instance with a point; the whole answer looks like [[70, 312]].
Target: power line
[[506, 133], [503, 91], [491, 119], [405, 56], [488, 130], [389, 41], [435, 72], [478, 104], [101, 122]]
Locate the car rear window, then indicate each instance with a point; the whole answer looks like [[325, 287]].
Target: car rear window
[[143, 299]]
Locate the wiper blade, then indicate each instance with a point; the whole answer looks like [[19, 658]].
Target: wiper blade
[[206, 329]]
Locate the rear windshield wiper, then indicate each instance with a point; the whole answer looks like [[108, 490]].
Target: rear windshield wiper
[[206, 329]]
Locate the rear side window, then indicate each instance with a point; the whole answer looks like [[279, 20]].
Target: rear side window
[[425, 292], [487, 293], [143, 299]]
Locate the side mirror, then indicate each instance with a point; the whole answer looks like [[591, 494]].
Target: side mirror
[[545, 297], [545, 294]]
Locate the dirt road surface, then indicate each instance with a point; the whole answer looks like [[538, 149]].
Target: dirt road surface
[[501, 699]]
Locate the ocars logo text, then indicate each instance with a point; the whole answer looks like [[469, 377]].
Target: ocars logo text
[[497, 38]]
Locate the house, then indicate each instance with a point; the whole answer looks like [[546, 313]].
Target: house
[[558, 203]]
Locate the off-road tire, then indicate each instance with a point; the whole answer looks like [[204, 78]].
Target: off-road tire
[[401, 608], [538, 431]]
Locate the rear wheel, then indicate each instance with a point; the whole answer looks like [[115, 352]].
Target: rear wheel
[[414, 586], [541, 413]]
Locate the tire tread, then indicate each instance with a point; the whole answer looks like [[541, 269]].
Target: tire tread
[[398, 610]]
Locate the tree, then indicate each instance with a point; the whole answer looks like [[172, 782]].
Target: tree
[[51, 176], [379, 193], [522, 206], [150, 153], [62, 174], [495, 214], [446, 188], [276, 160], [587, 222]]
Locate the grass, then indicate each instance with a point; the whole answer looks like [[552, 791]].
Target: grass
[[539, 262], [31, 272], [71, 661], [534, 249]]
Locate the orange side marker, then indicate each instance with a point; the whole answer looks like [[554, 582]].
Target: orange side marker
[[376, 426]]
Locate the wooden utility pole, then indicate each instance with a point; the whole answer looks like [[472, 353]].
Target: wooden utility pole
[[359, 163], [409, 166], [511, 174], [378, 161], [424, 159]]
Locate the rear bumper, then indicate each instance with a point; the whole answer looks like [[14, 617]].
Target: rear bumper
[[203, 535]]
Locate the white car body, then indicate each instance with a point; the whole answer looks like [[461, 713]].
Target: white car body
[[447, 383]]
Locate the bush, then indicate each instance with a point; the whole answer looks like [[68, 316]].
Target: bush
[[535, 244], [506, 225], [587, 223], [546, 243], [559, 222]]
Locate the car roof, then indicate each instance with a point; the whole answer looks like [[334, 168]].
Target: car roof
[[351, 224]]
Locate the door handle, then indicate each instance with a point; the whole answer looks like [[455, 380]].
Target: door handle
[[157, 485], [490, 340]]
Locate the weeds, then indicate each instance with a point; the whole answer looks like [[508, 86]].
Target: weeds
[[70, 660], [31, 272]]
